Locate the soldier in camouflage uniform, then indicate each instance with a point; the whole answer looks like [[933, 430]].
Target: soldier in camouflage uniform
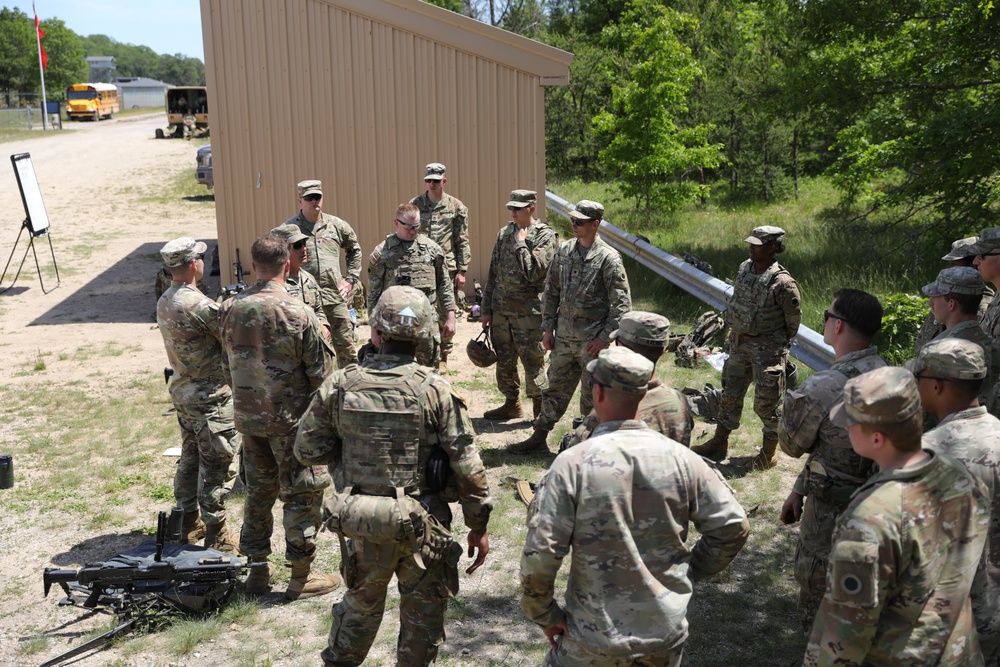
[[586, 294], [833, 470], [445, 220], [960, 255], [948, 373], [987, 262], [629, 581], [512, 303], [410, 258], [274, 358], [763, 315], [954, 300], [300, 283], [189, 324], [329, 236], [383, 421], [906, 548], [663, 408]]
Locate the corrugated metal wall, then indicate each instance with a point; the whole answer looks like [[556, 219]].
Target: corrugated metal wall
[[319, 89], [130, 98]]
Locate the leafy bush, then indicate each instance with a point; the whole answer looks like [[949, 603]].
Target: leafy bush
[[904, 314]]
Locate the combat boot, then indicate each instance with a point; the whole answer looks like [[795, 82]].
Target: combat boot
[[536, 406], [192, 528], [535, 443], [716, 448], [259, 581], [443, 364], [305, 584], [511, 409], [767, 457], [217, 536]]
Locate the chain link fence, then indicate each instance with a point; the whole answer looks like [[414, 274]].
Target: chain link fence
[[20, 118]]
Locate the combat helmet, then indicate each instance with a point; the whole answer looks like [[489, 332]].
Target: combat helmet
[[403, 313], [480, 350]]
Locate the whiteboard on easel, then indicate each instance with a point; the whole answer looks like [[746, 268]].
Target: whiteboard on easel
[[31, 194]]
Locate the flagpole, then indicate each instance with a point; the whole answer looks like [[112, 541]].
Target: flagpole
[[41, 71]]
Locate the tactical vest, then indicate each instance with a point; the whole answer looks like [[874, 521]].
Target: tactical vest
[[752, 309], [382, 427], [413, 270]]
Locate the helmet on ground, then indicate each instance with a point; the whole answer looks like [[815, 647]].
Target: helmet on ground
[[403, 313], [480, 350]]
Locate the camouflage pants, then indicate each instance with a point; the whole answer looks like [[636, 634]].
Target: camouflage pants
[[762, 361], [448, 344], [341, 332], [812, 556], [208, 442], [571, 653], [567, 367], [368, 568], [519, 337], [271, 472]]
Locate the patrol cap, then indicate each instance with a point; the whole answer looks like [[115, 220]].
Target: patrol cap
[[587, 210], [522, 198], [764, 235], [312, 187], [403, 313], [181, 251], [885, 395], [961, 249], [434, 171], [987, 241], [291, 233], [956, 280], [622, 369], [950, 358], [643, 328]]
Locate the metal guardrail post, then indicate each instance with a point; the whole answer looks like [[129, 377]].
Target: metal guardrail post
[[808, 346]]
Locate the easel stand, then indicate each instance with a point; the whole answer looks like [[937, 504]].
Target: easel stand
[[31, 247]]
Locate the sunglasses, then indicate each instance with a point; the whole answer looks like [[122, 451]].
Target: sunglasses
[[312, 197], [408, 225], [988, 254], [432, 180], [827, 315], [299, 245], [921, 376], [580, 223], [201, 257]]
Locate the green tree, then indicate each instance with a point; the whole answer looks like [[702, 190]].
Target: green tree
[[18, 51], [66, 60], [656, 159]]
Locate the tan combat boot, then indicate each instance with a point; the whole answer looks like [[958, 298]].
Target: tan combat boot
[[767, 457], [259, 581], [535, 443], [192, 528], [305, 584], [443, 364], [716, 448], [511, 409], [536, 406], [217, 536]]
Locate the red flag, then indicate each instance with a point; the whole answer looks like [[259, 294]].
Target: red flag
[[41, 35]]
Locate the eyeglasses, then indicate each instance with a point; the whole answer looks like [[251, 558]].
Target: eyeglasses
[[988, 254], [920, 376], [299, 245], [580, 223], [415, 225], [827, 315], [312, 197], [432, 180]]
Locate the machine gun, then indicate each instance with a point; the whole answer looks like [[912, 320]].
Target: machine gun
[[476, 311], [146, 586], [232, 290]]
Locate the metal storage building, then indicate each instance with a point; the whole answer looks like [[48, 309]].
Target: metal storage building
[[135, 92], [362, 94]]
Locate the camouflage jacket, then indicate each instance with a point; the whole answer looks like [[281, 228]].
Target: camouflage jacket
[[764, 304], [586, 292], [971, 331], [624, 529], [805, 426], [518, 270], [189, 324], [274, 357], [446, 422], [329, 235], [663, 409], [930, 328], [419, 263], [991, 320], [305, 287], [903, 559], [973, 437], [447, 224]]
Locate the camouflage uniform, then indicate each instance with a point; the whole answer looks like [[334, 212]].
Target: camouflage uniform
[[972, 332], [421, 264], [586, 293], [763, 315], [305, 288], [447, 224], [329, 235], [344, 422], [930, 329], [663, 409], [512, 297], [189, 324], [904, 551], [988, 241], [274, 358], [629, 581], [832, 472]]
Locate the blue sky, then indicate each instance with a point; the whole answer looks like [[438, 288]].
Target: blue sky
[[166, 26]]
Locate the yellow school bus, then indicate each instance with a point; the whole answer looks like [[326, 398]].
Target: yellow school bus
[[91, 100]]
